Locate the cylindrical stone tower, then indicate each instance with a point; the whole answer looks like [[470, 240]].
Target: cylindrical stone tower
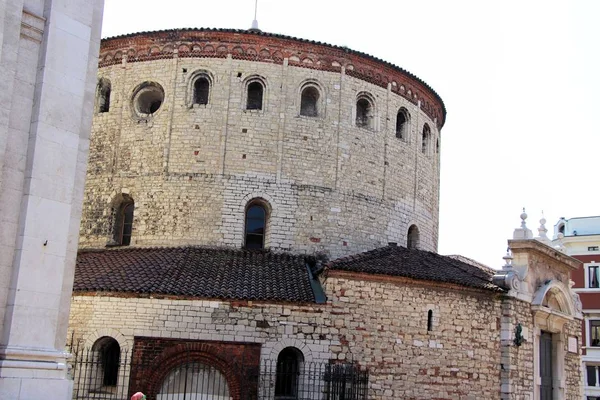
[[242, 138]]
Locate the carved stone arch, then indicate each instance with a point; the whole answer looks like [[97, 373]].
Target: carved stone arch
[[555, 295], [93, 337], [290, 342]]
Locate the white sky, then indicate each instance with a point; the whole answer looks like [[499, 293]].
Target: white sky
[[519, 79]]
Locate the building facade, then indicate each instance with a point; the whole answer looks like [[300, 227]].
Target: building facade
[[580, 238], [260, 222], [337, 151]]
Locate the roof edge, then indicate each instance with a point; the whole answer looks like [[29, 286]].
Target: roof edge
[[281, 36]]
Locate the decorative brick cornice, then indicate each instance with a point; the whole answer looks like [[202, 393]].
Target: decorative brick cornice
[[272, 48]]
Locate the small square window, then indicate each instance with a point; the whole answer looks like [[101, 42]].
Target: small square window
[[595, 333]]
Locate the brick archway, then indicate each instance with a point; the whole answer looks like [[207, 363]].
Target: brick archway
[[154, 358], [182, 355]]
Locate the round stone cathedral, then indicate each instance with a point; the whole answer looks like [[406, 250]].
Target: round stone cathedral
[[255, 140]]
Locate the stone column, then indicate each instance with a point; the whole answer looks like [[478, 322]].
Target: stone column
[[48, 63]]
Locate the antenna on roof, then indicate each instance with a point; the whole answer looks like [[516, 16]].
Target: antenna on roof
[[255, 21]]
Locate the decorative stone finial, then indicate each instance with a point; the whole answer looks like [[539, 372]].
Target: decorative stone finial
[[542, 236], [507, 259], [523, 232], [560, 246]]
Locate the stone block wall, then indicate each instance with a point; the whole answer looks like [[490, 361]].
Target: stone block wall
[[382, 325], [342, 189]]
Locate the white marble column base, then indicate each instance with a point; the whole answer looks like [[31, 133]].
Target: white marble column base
[[33, 374]]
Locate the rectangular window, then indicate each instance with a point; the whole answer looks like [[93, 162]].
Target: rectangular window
[[591, 375], [594, 278], [592, 248], [595, 332]]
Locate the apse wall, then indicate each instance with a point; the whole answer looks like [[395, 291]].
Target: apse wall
[[350, 169]]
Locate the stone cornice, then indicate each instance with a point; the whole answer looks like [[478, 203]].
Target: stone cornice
[[272, 48], [535, 246]]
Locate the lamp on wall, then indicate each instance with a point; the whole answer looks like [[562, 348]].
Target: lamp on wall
[[519, 339]]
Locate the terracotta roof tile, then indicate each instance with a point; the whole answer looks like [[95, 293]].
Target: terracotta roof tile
[[195, 271], [416, 264]]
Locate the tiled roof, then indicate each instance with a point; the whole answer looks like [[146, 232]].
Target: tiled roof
[[195, 271], [416, 264]]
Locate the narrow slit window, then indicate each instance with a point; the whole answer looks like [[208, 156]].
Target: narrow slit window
[[426, 138], [256, 221], [309, 102], [255, 96], [201, 90], [429, 320], [401, 125], [127, 224], [412, 241], [123, 222], [104, 89]]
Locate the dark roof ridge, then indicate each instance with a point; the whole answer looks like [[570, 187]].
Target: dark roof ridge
[[231, 249], [418, 264], [281, 36]]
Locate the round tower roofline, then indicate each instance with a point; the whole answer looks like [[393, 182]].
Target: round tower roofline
[[369, 68]]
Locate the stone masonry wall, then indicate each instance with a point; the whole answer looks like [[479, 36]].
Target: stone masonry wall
[[379, 324], [334, 187], [384, 323]]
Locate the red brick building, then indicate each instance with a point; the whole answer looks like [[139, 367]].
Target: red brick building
[[580, 238]]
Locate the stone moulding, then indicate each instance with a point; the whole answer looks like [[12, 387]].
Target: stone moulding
[[271, 48]]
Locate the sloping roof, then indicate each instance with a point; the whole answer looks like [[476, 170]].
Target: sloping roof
[[416, 264], [221, 273], [473, 262]]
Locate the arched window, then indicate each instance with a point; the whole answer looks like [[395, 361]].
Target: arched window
[[123, 222], [256, 225], [254, 99], [402, 124], [364, 113], [426, 138], [309, 102], [103, 95], [412, 240], [193, 381], [201, 90], [289, 363], [107, 353], [429, 320]]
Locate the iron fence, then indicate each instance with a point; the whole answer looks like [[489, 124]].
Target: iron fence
[[105, 375]]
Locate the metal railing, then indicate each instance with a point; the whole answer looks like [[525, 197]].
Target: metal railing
[[104, 375]]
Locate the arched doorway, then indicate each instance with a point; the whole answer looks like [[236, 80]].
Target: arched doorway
[[194, 381], [106, 356], [289, 364]]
